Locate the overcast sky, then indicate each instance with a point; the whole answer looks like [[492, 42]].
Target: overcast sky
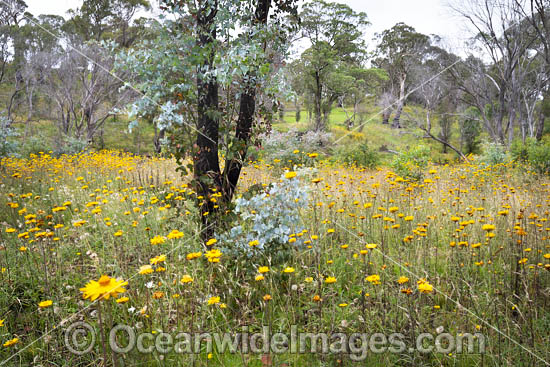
[[426, 16]]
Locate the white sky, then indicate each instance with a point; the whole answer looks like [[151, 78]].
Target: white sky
[[426, 16]]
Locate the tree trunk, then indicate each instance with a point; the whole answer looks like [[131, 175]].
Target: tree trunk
[[247, 109], [318, 95], [428, 121], [233, 166], [500, 116], [297, 108], [159, 135], [396, 123], [511, 123], [14, 96], [540, 126], [386, 116], [30, 93], [207, 175]]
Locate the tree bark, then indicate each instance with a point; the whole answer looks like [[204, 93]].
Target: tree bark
[[386, 116], [207, 175], [540, 126], [159, 135], [318, 96], [247, 110]]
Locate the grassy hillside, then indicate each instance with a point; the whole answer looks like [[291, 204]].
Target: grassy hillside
[[372, 131]]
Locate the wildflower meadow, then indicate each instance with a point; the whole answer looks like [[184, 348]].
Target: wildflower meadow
[[274, 183], [109, 239]]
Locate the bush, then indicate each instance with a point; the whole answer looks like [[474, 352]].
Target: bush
[[293, 147], [539, 157], [71, 146], [519, 151], [268, 217], [358, 155], [536, 153], [65, 145], [411, 164], [34, 145], [8, 144], [469, 130], [494, 153]]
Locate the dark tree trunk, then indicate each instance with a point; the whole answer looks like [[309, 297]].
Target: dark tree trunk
[[540, 126], [386, 116], [159, 135], [318, 96], [208, 178], [206, 163], [247, 109], [233, 166], [15, 95]]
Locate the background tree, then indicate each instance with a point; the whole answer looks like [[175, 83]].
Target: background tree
[[40, 40], [502, 37], [84, 91], [12, 18], [105, 19], [399, 49], [335, 33], [361, 83]]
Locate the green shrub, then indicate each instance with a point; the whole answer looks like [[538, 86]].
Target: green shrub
[[34, 145], [539, 156], [412, 163], [360, 155], [519, 150], [536, 153], [494, 153], [71, 146], [470, 128]]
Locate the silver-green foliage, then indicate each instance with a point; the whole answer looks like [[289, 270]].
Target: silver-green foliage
[[269, 217], [8, 144], [494, 153]]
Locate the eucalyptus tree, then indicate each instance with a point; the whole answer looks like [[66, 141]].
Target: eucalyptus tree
[[502, 40], [12, 17], [105, 19], [363, 82], [335, 33], [40, 39], [399, 49], [84, 93], [437, 95], [537, 13], [210, 81]]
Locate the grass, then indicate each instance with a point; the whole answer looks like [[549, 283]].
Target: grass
[[465, 249]]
